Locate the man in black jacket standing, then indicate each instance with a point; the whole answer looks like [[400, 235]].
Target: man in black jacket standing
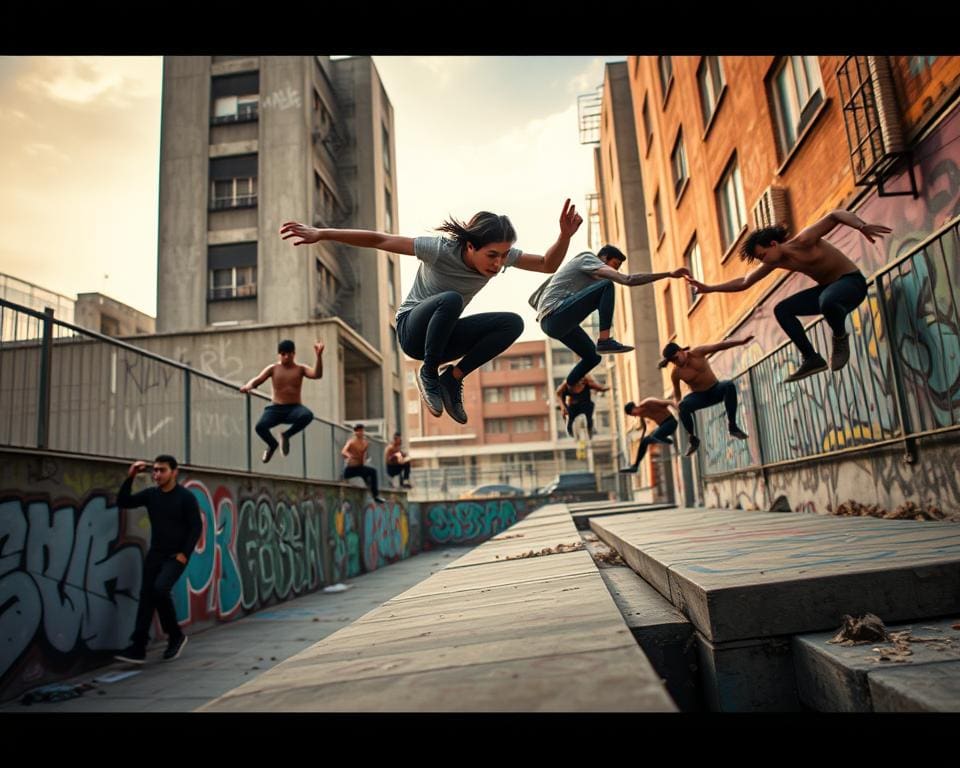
[[175, 527]]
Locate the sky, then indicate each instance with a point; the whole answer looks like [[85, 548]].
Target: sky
[[80, 149]]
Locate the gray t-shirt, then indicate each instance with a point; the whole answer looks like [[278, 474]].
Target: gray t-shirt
[[571, 278], [443, 270]]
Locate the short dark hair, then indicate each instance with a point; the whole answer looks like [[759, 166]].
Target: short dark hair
[[610, 251], [286, 346], [397, 434], [763, 237], [628, 408], [166, 458], [669, 351], [357, 426]]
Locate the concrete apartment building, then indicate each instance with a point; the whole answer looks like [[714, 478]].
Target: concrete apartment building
[[248, 143]]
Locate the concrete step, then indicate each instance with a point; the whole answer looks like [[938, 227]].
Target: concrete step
[[586, 512], [748, 581], [664, 634], [837, 678]]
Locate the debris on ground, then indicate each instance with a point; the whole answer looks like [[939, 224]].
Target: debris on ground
[[559, 549], [56, 692], [591, 537], [907, 511], [339, 587], [609, 557], [901, 651], [867, 629], [508, 536]]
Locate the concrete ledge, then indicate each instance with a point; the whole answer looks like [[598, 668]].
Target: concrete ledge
[[927, 688]]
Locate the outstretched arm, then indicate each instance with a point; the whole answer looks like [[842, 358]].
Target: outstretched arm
[[737, 284], [593, 384], [317, 371], [675, 378], [362, 238], [707, 349], [570, 222], [257, 380], [815, 231], [638, 278]]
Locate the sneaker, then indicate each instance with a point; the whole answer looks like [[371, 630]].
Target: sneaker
[[661, 440], [631, 470], [268, 454], [405, 485], [452, 392], [379, 499], [738, 433], [694, 444], [429, 385], [284, 445], [611, 346], [841, 352], [808, 367], [134, 654], [174, 648]]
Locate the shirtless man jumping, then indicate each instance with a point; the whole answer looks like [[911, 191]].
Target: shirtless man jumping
[[691, 367], [287, 377], [658, 411], [840, 289]]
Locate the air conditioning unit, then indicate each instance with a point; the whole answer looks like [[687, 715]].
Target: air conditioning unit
[[772, 208]]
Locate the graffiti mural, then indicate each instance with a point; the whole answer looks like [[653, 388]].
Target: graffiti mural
[[469, 522], [71, 561]]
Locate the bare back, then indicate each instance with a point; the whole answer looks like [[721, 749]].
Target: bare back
[[821, 260], [356, 450], [653, 409], [696, 372], [287, 381]]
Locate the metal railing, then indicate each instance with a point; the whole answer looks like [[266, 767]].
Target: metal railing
[[69, 389], [902, 381]]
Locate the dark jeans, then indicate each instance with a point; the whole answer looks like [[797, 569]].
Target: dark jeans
[[296, 414], [369, 475], [575, 410], [563, 324], [834, 302], [666, 428], [160, 573], [433, 332], [725, 391], [399, 469]]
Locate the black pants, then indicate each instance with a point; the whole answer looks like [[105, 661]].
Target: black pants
[[666, 428], [160, 573], [575, 410], [725, 391], [296, 414], [369, 475], [563, 324], [434, 332], [834, 302], [399, 469]]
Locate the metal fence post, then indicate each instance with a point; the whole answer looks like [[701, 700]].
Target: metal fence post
[[909, 443], [186, 417], [43, 396], [249, 437]]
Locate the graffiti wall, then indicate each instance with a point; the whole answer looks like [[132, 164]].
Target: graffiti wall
[[70, 560], [471, 522], [879, 477]]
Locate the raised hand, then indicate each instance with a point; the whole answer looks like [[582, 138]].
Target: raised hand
[[570, 220], [870, 231], [137, 467], [296, 229], [697, 285], [682, 272], [318, 348]]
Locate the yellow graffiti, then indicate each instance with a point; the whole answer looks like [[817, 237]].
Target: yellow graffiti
[[81, 481], [339, 522], [850, 436], [404, 531]]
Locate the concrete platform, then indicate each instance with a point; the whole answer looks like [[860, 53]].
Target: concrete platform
[[835, 678], [486, 633], [739, 574], [585, 512]]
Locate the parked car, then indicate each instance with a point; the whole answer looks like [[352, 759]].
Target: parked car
[[570, 481], [493, 491]]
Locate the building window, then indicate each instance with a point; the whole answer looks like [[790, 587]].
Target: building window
[[710, 80], [495, 426], [411, 380], [647, 124], [396, 351], [233, 182], [236, 98], [232, 270], [385, 140], [668, 311], [797, 92], [388, 210], [493, 395], [730, 205], [678, 162], [520, 363], [233, 282], [693, 262], [528, 424], [665, 65], [391, 284], [658, 214], [523, 394], [109, 326]]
